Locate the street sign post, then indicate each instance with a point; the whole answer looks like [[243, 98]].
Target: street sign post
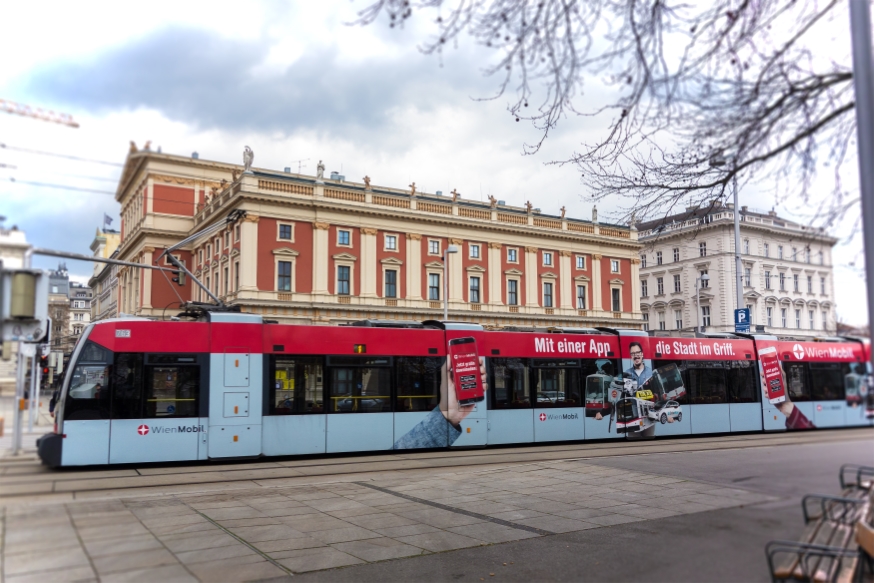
[[742, 321]]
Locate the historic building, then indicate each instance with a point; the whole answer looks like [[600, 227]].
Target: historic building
[[787, 272], [324, 250], [104, 281]]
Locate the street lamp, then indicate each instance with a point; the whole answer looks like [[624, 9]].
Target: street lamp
[[716, 162], [449, 249], [698, 284]]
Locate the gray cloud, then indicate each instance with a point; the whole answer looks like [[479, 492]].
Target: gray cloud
[[200, 78]]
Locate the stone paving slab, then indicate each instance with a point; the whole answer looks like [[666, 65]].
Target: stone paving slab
[[275, 529]]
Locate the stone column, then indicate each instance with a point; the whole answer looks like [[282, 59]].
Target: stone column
[[414, 266], [320, 258], [457, 280], [148, 254], [248, 253], [368, 265], [532, 280], [635, 284], [565, 282], [596, 283], [495, 295]]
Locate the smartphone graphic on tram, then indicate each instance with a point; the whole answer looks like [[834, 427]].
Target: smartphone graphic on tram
[[773, 375], [464, 368]]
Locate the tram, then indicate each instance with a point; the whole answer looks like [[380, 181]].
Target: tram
[[220, 384]]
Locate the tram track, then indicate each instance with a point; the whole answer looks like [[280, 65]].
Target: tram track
[[27, 480]]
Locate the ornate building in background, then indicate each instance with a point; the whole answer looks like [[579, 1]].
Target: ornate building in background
[[320, 250]]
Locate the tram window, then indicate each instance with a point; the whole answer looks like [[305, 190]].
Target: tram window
[[827, 380], [742, 383], [706, 382], [418, 383], [171, 391], [556, 383], [298, 385], [510, 388], [682, 366], [93, 353], [127, 386], [796, 377], [88, 397], [359, 385]]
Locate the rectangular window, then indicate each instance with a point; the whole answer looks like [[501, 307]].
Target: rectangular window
[[795, 282], [581, 297], [344, 237], [702, 249], [783, 319], [646, 321], [678, 319], [581, 261], [510, 382], [705, 315], [209, 251], [825, 319], [782, 278], [283, 282], [658, 257], [704, 282], [433, 247], [556, 382], [617, 300], [298, 385], [810, 315], [750, 308], [746, 246], [434, 286], [474, 251], [798, 319], [227, 239], [643, 288], [474, 290], [661, 320], [391, 242], [547, 258], [614, 266], [172, 391], [827, 380], [236, 276], [391, 283], [822, 285], [767, 248], [676, 254], [359, 384], [227, 279], [199, 255], [794, 254], [706, 382], [807, 255], [796, 378], [770, 312], [343, 280], [547, 295], [237, 233], [512, 292], [810, 284], [780, 251], [418, 383], [512, 256], [748, 276], [643, 261], [660, 286], [677, 287], [767, 280]]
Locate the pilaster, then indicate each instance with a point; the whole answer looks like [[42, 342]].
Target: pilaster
[[320, 258], [457, 281], [368, 262], [249, 249], [635, 285], [532, 281], [564, 281], [148, 254], [495, 295], [414, 266], [597, 306]]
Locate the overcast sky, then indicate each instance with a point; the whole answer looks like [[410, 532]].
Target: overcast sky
[[292, 81]]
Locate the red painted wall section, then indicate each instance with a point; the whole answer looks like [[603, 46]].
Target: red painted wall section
[[553, 269], [173, 200], [400, 254], [426, 259], [482, 261], [163, 289], [520, 266], [334, 249], [268, 241], [607, 276]]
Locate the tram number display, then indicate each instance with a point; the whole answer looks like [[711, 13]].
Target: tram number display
[[773, 375], [464, 368]]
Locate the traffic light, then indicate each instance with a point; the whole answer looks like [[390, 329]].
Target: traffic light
[[180, 278], [45, 370]]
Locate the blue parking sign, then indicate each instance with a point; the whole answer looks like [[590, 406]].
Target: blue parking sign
[[742, 320]]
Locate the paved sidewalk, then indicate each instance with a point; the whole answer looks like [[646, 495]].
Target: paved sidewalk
[[42, 424], [273, 532]]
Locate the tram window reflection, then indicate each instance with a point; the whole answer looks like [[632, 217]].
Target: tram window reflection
[[510, 384], [127, 386], [418, 383], [827, 380], [742, 382], [682, 366], [298, 385], [88, 397], [556, 383], [707, 382], [359, 385], [796, 378], [171, 391]]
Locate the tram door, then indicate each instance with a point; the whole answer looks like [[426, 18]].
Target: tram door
[[235, 403]]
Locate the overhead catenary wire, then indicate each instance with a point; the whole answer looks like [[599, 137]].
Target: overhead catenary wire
[[56, 155], [61, 186]]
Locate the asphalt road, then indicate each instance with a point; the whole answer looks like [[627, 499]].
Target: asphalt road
[[716, 545]]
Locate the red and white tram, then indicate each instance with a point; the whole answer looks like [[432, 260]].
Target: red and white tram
[[231, 385]]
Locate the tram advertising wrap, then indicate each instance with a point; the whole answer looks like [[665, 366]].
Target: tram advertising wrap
[[228, 385]]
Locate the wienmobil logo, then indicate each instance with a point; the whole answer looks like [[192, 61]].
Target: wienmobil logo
[[559, 416], [841, 352], [145, 429]]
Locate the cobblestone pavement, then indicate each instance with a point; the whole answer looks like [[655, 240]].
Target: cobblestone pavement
[[249, 534]]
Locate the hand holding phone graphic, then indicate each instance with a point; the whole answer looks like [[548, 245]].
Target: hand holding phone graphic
[[772, 373], [464, 369]]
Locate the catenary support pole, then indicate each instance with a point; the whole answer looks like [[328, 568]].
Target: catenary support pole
[[19, 394], [33, 392], [738, 264], [863, 79]]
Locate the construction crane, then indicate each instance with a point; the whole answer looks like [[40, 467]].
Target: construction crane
[[38, 113]]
